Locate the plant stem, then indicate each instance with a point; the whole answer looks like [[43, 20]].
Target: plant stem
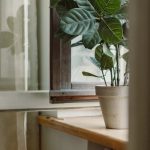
[[112, 80], [114, 76], [126, 76], [104, 78], [118, 66]]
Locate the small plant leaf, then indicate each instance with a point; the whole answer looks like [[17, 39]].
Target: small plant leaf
[[111, 30], [77, 22], [89, 74]]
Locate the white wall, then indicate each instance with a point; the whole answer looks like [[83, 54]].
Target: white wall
[[55, 140]]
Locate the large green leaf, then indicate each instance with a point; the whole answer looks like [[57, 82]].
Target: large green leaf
[[105, 59], [106, 6], [85, 4], [96, 5], [111, 30], [77, 21], [6, 39], [91, 38]]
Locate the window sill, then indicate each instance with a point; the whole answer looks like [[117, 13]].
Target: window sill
[[34, 100], [90, 128]]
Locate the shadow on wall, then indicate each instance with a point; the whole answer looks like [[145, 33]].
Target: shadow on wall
[[11, 39]]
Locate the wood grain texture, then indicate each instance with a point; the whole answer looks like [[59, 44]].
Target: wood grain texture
[[60, 56], [90, 128], [55, 46], [65, 60]]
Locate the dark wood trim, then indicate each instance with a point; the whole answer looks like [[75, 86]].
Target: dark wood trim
[[60, 57], [55, 46], [71, 99], [72, 92], [65, 65]]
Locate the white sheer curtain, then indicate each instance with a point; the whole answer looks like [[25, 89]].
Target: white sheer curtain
[[18, 45]]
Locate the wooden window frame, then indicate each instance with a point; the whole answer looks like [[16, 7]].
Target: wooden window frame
[[61, 88]]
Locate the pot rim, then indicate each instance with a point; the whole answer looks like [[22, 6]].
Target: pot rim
[[110, 91]]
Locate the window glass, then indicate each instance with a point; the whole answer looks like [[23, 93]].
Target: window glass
[[80, 61]]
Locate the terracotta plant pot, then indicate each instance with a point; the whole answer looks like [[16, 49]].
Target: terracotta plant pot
[[114, 105]]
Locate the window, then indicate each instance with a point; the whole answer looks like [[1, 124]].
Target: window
[[67, 63], [62, 85], [24, 54]]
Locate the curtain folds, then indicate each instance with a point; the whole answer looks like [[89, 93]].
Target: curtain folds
[[18, 45]]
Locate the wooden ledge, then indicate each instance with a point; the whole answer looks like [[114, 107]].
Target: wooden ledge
[[90, 128]]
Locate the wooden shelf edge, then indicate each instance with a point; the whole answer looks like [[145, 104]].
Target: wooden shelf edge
[[109, 142]]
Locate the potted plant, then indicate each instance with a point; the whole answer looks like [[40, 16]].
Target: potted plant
[[102, 24]]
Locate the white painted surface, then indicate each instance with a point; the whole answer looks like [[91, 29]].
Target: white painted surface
[[56, 140], [34, 100], [43, 43]]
